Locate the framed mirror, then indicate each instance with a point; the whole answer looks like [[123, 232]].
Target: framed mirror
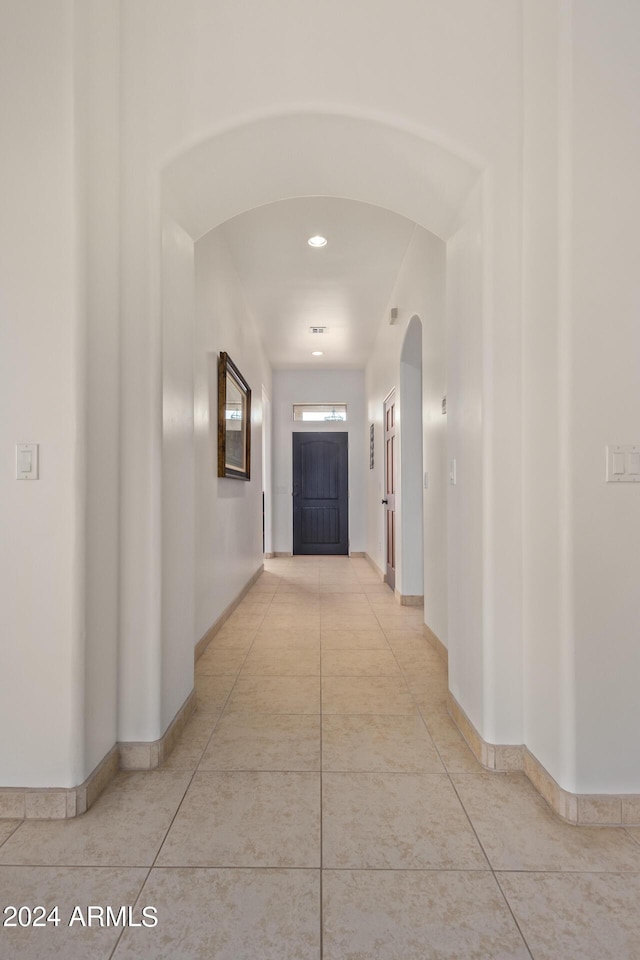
[[234, 421]]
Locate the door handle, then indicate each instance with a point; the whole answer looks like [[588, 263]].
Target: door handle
[[384, 501]]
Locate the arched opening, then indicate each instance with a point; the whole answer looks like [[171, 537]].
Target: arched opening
[[236, 170], [317, 154]]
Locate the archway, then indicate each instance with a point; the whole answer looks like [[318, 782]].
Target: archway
[[270, 159], [317, 154]]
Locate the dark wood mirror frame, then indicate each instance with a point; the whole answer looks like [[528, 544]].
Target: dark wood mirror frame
[[234, 421]]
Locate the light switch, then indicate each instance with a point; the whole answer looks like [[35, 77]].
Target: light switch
[[619, 460], [623, 463], [26, 461], [426, 480], [452, 472]]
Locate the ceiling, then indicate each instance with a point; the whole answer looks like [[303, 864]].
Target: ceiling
[[345, 286]]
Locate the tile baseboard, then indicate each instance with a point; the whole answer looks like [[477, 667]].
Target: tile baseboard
[[358, 554], [436, 643], [580, 809], [59, 803], [408, 599], [204, 641], [63, 803], [282, 553], [147, 755], [496, 757], [268, 556], [374, 566]]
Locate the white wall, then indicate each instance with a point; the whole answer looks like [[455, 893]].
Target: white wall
[[548, 686], [321, 386], [41, 342], [582, 341], [228, 512], [605, 404], [432, 304], [419, 291], [409, 422], [178, 472], [97, 48], [465, 543]]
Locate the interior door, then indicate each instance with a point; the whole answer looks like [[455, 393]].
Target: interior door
[[389, 499], [320, 493]]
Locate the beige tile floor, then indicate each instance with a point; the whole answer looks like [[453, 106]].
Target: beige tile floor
[[321, 804]]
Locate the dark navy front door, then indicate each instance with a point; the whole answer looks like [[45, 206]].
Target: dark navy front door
[[320, 493]]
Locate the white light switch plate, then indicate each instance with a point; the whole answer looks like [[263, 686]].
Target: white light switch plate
[[26, 461], [623, 463]]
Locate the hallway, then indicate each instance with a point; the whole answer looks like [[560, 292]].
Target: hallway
[[321, 740]]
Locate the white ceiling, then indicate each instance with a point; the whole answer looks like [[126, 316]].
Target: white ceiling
[[344, 286]]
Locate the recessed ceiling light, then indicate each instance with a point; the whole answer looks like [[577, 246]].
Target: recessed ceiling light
[[316, 353], [317, 241]]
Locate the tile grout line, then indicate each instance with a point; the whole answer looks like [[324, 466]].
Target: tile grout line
[[198, 764], [491, 867], [122, 932], [509, 908], [481, 845], [17, 827], [232, 688], [230, 866], [464, 809], [189, 784], [319, 677], [633, 837], [197, 767]]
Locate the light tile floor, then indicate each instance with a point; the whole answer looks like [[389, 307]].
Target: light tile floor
[[321, 804]]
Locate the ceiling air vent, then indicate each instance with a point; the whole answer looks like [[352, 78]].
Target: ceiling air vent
[[318, 329]]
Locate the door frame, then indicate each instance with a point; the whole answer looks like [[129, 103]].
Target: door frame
[[389, 497]]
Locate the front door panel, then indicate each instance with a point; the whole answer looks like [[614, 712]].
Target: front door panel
[[320, 493]]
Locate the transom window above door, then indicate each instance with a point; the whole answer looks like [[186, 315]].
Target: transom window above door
[[327, 412]]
